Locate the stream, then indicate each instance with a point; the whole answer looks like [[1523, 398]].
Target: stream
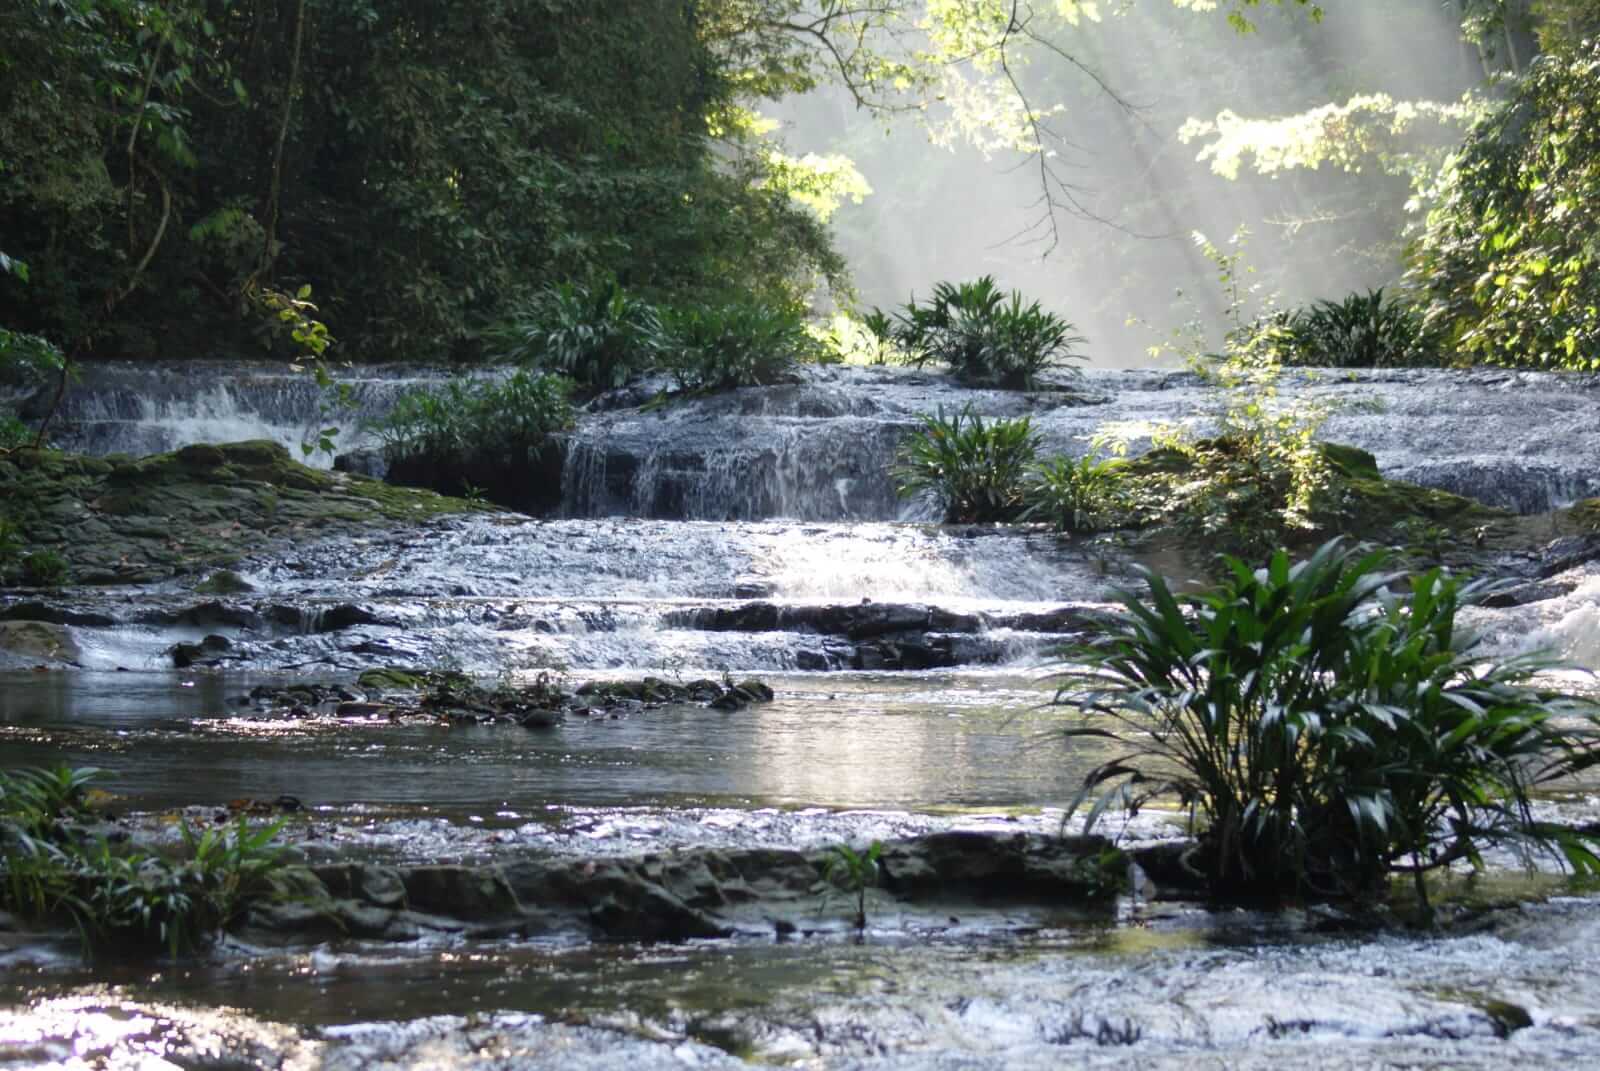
[[755, 533]]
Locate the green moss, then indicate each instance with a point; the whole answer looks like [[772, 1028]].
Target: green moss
[[1356, 501], [1586, 515], [392, 678]]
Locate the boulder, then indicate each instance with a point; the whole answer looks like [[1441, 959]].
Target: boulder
[[25, 643]]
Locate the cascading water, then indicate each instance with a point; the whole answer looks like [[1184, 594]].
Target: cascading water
[[821, 449], [149, 407]]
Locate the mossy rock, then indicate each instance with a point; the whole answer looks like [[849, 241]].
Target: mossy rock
[[393, 679], [125, 520], [1357, 501], [1585, 515], [224, 582]]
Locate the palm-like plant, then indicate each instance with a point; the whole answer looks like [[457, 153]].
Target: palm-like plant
[[592, 334], [1325, 731], [986, 337], [974, 469], [1082, 494], [743, 342], [1361, 331]]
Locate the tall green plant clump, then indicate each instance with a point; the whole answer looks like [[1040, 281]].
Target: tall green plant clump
[[508, 419], [735, 342], [1509, 263], [124, 902], [972, 468], [595, 335], [602, 336], [986, 337], [1327, 725], [1361, 331], [1082, 494]]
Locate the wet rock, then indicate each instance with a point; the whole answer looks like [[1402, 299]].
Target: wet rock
[[1524, 594], [207, 615], [56, 615], [366, 462], [197, 509], [1174, 869], [362, 710], [1568, 552], [343, 616], [27, 642], [205, 652], [477, 893], [1021, 866], [686, 895]]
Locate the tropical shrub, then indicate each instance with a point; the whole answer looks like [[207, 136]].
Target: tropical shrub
[[975, 470], [1509, 263], [470, 418], [1361, 331], [1324, 730], [1084, 494], [43, 569], [595, 335], [986, 337], [743, 342], [122, 901]]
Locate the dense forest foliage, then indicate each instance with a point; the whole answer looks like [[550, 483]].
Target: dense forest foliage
[[419, 165], [187, 177]]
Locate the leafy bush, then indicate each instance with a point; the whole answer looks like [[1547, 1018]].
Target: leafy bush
[[975, 470], [594, 335], [477, 417], [1509, 263], [1083, 494], [1244, 493], [13, 432], [743, 342], [122, 901], [985, 337], [1325, 730], [1362, 331], [43, 569]]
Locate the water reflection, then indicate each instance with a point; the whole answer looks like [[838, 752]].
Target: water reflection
[[837, 741]]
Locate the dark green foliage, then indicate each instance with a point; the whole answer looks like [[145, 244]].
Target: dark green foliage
[[1325, 730], [1362, 331], [986, 337], [13, 432], [25, 360], [594, 335], [741, 342], [1084, 494], [123, 902], [1509, 265], [43, 569], [469, 418], [424, 164], [975, 470]]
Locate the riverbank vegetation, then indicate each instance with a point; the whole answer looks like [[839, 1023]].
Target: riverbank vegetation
[[123, 902]]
